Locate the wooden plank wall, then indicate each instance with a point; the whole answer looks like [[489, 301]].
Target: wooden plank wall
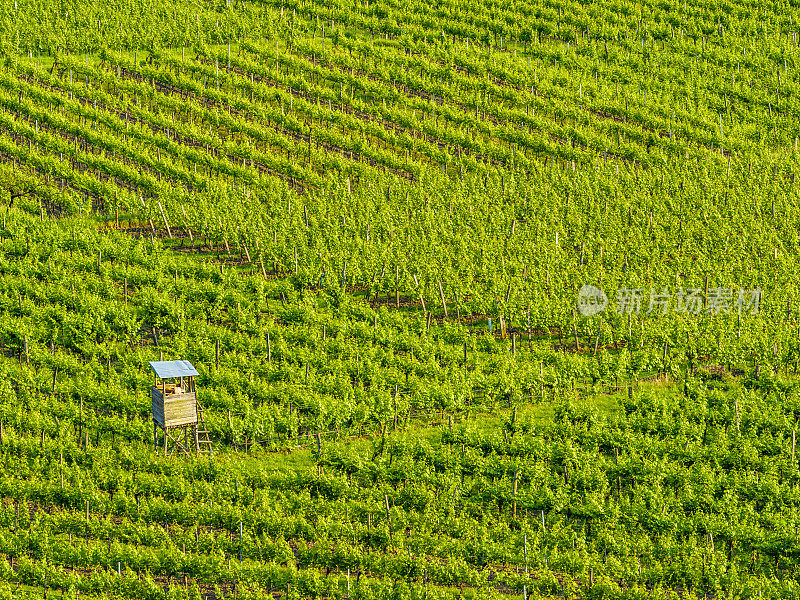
[[177, 410], [180, 409]]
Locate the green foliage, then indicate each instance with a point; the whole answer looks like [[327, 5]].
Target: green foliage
[[322, 205]]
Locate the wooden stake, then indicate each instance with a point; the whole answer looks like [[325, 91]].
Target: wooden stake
[[516, 480], [164, 216], [188, 230], [388, 514], [396, 394], [441, 295]]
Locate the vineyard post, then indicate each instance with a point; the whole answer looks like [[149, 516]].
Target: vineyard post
[[514, 491], [525, 549], [396, 393], [188, 230], [379, 451], [441, 295], [541, 379], [388, 515], [421, 297], [164, 217], [736, 406], [575, 332], [597, 339]]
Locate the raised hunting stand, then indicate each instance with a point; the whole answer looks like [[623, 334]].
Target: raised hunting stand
[[176, 410]]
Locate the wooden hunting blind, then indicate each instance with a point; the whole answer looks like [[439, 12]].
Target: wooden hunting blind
[[175, 408]]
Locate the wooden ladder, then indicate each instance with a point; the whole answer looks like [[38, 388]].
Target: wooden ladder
[[204, 444]]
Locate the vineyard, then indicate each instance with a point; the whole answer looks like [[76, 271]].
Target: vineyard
[[370, 226]]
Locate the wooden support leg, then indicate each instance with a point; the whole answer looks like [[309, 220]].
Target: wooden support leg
[[155, 436], [180, 441]]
